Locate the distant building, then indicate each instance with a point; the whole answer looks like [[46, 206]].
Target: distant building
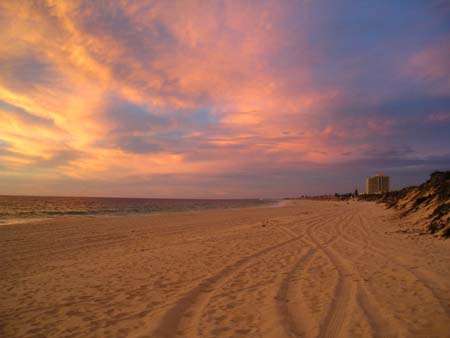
[[377, 184]]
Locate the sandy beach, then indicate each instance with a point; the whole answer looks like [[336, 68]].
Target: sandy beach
[[305, 269]]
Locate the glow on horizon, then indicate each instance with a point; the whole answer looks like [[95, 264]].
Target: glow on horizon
[[222, 98]]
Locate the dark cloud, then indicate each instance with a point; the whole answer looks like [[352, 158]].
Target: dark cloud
[[109, 20], [141, 44], [26, 72], [129, 117], [134, 128], [60, 157], [389, 152], [57, 159], [136, 144], [25, 116]]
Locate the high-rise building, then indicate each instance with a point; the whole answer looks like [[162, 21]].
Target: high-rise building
[[377, 184]]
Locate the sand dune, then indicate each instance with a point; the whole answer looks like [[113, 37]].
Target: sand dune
[[426, 206], [307, 269]]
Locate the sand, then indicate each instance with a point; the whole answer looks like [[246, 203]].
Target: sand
[[306, 269]]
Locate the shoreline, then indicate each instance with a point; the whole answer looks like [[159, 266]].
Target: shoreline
[[69, 215]]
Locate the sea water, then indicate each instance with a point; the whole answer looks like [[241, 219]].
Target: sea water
[[14, 209]]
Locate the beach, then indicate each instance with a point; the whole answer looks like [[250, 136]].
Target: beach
[[302, 269]]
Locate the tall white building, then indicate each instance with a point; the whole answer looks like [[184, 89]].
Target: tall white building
[[377, 184]]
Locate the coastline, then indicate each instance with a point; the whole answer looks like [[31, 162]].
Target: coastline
[[47, 216], [305, 267]]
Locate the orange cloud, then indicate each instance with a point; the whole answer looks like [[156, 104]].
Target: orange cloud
[[130, 89]]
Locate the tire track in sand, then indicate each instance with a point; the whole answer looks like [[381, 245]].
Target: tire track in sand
[[296, 322], [276, 258], [366, 300], [336, 315], [292, 321], [183, 317]]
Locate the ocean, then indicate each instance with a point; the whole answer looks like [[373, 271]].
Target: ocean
[[17, 209]]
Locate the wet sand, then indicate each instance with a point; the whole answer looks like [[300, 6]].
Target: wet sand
[[306, 269]]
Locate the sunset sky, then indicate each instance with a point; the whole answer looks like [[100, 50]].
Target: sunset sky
[[221, 98]]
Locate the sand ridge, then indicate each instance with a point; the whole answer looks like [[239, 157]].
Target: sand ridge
[[304, 269]]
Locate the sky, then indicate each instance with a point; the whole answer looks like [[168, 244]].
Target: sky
[[221, 99]]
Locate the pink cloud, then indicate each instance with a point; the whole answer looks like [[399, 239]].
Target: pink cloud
[[433, 64], [380, 126], [183, 88]]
